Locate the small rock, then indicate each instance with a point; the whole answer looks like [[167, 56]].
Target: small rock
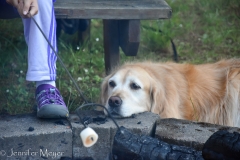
[[133, 115], [60, 122], [30, 129], [66, 158]]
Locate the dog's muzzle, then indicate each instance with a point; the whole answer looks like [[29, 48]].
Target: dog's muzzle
[[115, 103]]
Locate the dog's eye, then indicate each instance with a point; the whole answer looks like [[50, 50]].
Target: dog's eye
[[135, 86], [112, 84]]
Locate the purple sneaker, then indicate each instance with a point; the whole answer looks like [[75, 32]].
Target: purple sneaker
[[50, 103]]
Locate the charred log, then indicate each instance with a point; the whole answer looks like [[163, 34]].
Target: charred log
[[222, 145], [129, 146]]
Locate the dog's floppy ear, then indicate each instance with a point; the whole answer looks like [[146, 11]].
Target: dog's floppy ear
[[158, 98], [104, 90]]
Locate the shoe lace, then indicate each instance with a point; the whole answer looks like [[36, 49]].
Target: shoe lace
[[49, 96]]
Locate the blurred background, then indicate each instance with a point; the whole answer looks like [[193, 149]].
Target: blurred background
[[203, 31]]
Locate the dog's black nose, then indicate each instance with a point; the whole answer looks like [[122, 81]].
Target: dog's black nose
[[115, 101]]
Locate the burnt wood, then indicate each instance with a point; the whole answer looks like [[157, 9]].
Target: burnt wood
[[112, 9], [129, 146], [222, 145]]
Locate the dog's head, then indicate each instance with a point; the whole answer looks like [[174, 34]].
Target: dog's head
[[128, 91]]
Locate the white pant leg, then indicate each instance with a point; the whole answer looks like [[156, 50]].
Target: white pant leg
[[41, 58]]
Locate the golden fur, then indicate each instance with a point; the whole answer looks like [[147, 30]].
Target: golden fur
[[207, 92]]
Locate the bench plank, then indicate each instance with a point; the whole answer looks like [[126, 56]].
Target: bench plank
[[112, 9]]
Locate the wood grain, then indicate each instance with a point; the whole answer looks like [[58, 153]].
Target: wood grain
[[113, 9]]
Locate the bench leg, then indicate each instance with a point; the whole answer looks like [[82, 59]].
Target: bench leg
[[111, 44], [129, 36], [84, 32]]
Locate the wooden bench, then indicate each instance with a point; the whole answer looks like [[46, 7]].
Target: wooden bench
[[121, 21]]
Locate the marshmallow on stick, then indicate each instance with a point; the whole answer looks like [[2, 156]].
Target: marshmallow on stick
[[89, 137]]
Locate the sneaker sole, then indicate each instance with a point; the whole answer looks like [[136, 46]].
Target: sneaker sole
[[52, 111]]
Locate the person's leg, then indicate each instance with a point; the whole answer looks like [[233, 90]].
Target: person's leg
[[42, 61]]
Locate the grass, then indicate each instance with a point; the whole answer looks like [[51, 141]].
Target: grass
[[203, 31]]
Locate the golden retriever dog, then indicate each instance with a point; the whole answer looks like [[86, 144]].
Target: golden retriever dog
[[207, 92]]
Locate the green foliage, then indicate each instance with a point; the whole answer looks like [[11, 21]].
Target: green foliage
[[202, 30]]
